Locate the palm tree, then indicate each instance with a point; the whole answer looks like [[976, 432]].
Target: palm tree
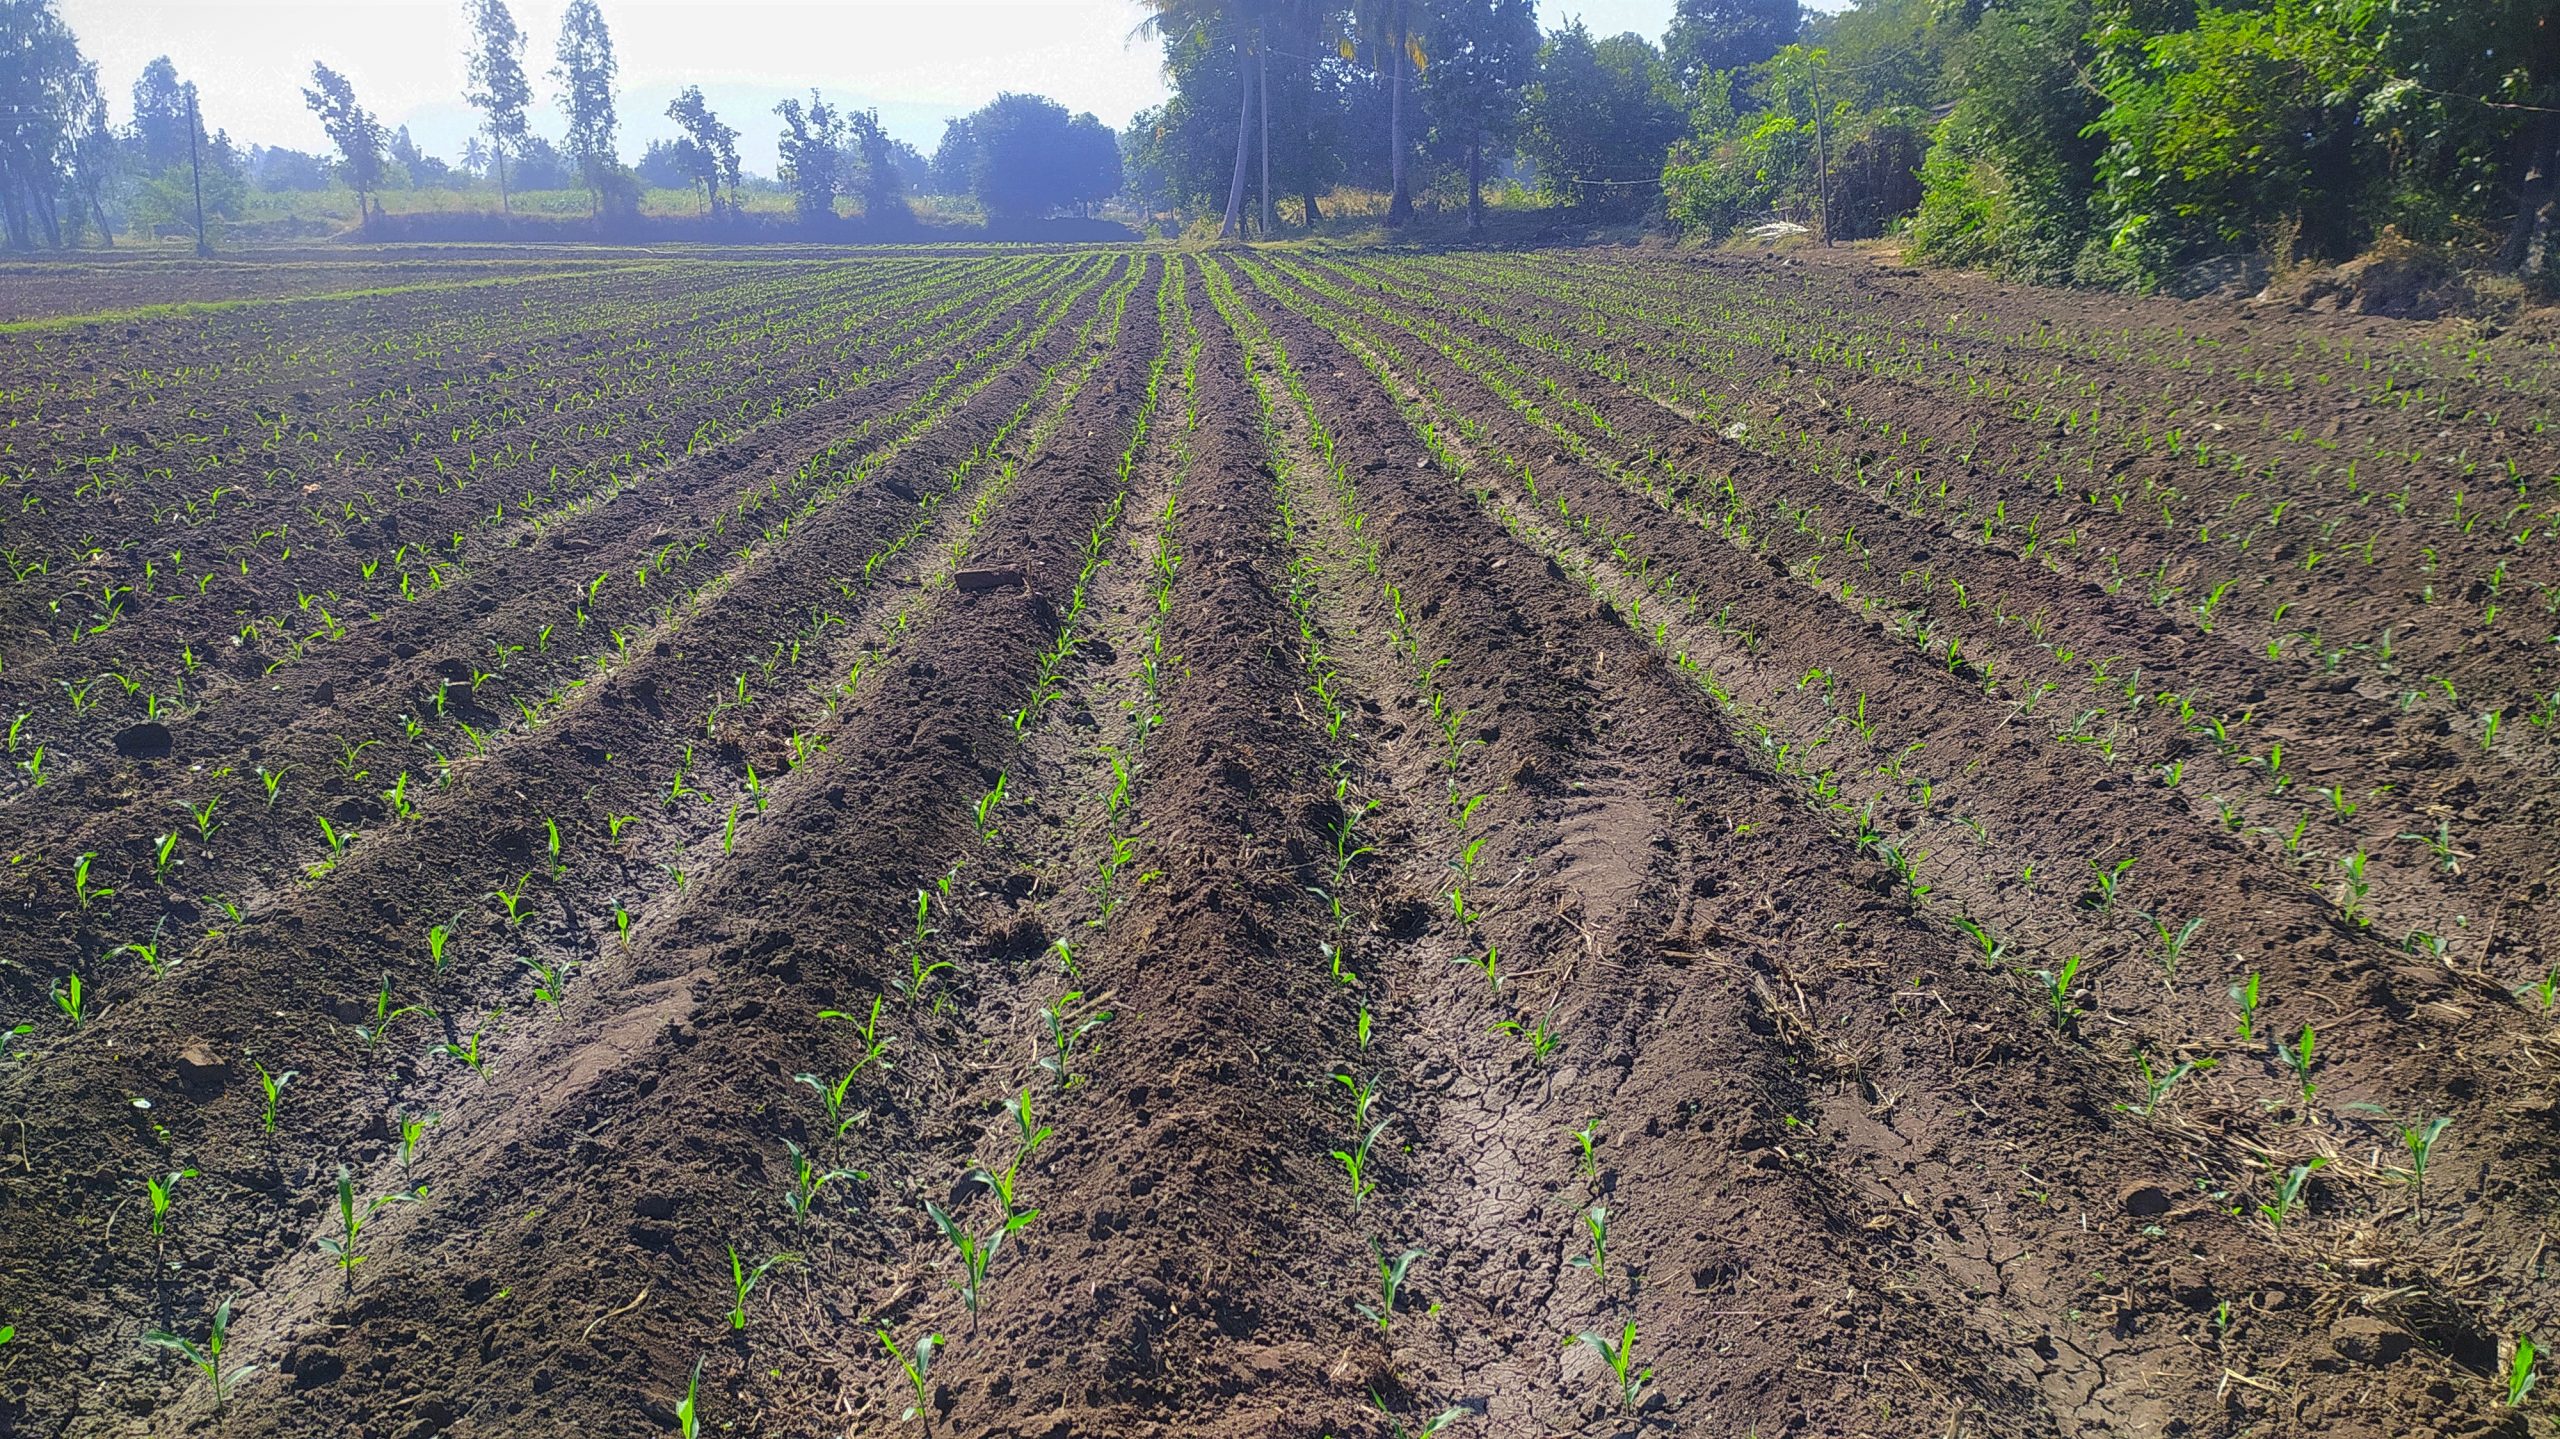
[[1387, 25], [1241, 21]]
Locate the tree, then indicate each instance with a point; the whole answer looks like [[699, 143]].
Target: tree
[[955, 160], [1388, 27], [715, 146], [1021, 144], [1600, 117], [1092, 168], [90, 144], [161, 130], [47, 96], [1727, 35], [1486, 53], [884, 202], [812, 150], [353, 129], [585, 71], [498, 87], [1233, 23]]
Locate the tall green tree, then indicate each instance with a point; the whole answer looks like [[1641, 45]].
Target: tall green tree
[[585, 69], [1599, 118], [884, 201], [498, 87], [1727, 35], [353, 129], [812, 152], [715, 145], [1228, 23], [1484, 54], [161, 105], [46, 92], [1395, 46]]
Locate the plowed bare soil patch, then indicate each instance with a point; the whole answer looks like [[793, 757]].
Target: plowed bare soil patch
[[1123, 843]]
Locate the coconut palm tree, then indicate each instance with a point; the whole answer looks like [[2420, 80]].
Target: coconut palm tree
[[1240, 23], [1387, 27]]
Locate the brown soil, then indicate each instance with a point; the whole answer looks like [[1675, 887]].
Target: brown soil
[[1612, 742]]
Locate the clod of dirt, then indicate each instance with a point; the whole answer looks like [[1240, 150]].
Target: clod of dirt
[[147, 740], [201, 1067], [2363, 1339], [2146, 1201], [986, 578]]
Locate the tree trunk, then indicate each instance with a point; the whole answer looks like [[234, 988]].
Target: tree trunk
[[502, 178], [1400, 205], [1244, 149], [1475, 185], [1307, 126], [1262, 82], [13, 212], [2533, 206], [106, 233]]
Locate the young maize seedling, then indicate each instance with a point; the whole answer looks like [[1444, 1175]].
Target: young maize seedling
[[1029, 1133], [2546, 989], [808, 1181], [2298, 1058], [689, 1408], [2520, 1375], [2156, 1085], [1437, 1424], [1620, 1356], [206, 1357], [743, 1282], [164, 853], [337, 839], [438, 936], [2173, 946], [2110, 883], [2420, 1142], [384, 1012], [2245, 996], [551, 978], [1355, 1161], [1490, 962], [513, 899], [2354, 890], [2289, 1193], [162, 1193], [1588, 1138], [2440, 846], [2057, 993], [1595, 1222], [9, 1036], [354, 1216], [272, 1087], [831, 1097], [916, 1369], [1066, 1029], [412, 1129], [975, 1253], [1391, 1273], [1540, 1035], [468, 1049], [72, 998], [987, 806], [80, 882]]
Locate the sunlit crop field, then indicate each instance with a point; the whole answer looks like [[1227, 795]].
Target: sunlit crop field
[[1128, 843]]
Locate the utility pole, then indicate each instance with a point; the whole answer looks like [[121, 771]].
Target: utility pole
[[195, 167]]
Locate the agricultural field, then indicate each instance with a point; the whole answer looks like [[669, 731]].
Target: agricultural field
[[1129, 843]]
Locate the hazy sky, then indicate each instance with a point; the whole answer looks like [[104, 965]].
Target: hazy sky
[[918, 61]]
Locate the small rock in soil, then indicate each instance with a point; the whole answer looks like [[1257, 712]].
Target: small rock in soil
[[200, 1067], [987, 578]]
